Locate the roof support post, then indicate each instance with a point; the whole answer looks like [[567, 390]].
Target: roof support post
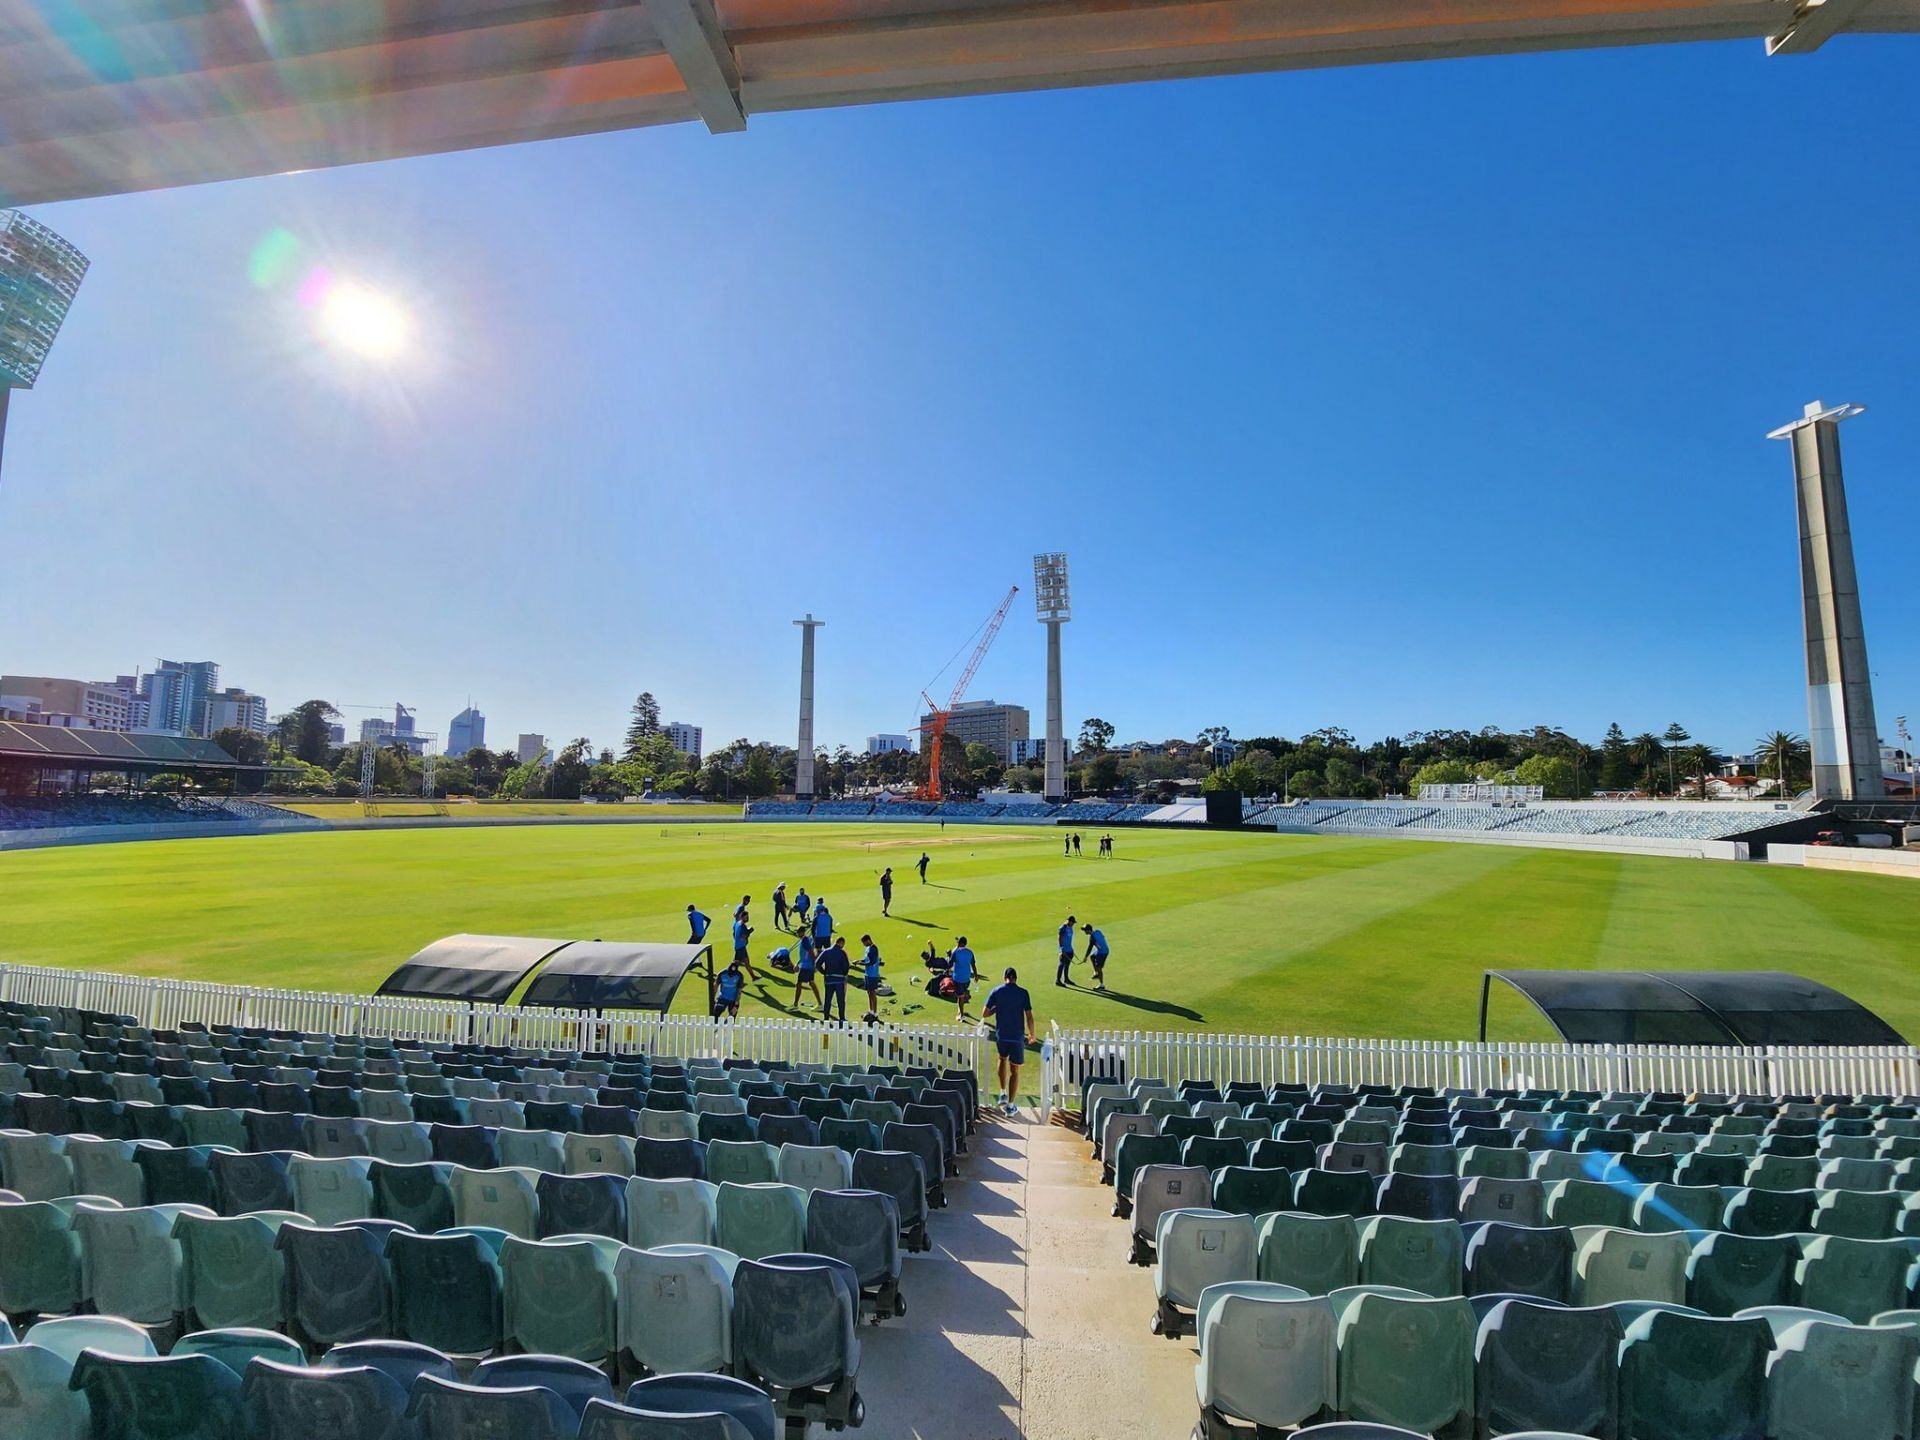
[[1814, 23], [691, 32]]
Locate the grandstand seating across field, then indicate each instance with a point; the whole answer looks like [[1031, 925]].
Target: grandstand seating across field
[[1676, 822], [1077, 812], [52, 812], [667, 1216], [1490, 1263]]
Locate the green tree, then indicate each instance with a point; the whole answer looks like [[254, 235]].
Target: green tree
[[571, 769], [1440, 772], [1675, 737], [524, 782], [1616, 761], [1103, 773], [645, 723], [1646, 750], [243, 745], [1785, 754], [1095, 736], [304, 731], [1698, 765], [1552, 773], [1343, 777]]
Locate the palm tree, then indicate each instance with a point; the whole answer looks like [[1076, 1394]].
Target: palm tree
[[1784, 751], [1646, 750], [1700, 762]]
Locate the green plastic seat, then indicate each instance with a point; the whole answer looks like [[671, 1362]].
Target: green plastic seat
[[332, 1192], [1664, 1207], [755, 1221], [742, 1162], [36, 1401], [505, 1199], [1685, 1376], [1769, 1212], [236, 1346], [131, 1264], [1267, 1356], [1424, 1160], [35, 1167], [71, 1334], [106, 1167], [211, 1125], [670, 1212], [1615, 1265], [39, 1259], [540, 1150], [1782, 1172], [1547, 1369], [1314, 1253], [1422, 1255], [1494, 1162], [447, 1290], [420, 1195], [557, 1296], [398, 1142], [1591, 1202], [1827, 1380], [1855, 1278], [1857, 1214], [185, 1397], [232, 1270], [598, 1154], [1406, 1362], [1729, 1273], [675, 1310]]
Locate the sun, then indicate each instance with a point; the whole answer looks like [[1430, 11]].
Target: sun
[[362, 321]]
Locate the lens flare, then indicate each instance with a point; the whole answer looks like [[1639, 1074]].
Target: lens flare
[[362, 321]]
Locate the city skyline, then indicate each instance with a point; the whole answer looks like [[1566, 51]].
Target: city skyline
[[1229, 374]]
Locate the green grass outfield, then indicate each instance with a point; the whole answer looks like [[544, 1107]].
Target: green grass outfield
[[1238, 932]]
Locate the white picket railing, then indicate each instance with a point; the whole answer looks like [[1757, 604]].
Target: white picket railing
[[168, 1004], [1071, 1056]]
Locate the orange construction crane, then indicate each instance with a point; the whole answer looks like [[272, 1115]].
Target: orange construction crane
[[935, 727]]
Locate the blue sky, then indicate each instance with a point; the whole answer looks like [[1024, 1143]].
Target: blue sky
[[1396, 397]]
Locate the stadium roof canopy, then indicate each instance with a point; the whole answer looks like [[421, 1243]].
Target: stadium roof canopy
[[103, 96], [1693, 1007], [479, 968], [57, 747], [605, 975], [574, 974]]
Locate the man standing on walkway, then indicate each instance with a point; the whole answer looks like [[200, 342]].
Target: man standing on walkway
[[922, 866], [1064, 974], [834, 967], [697, 924], [1097, 953], [1011, 1010], [886, 891]]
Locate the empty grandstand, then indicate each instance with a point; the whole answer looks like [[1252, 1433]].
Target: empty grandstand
[[1078, 812], [1677, 821]]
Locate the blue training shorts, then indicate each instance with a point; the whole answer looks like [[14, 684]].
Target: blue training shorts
[[1014, 1050]]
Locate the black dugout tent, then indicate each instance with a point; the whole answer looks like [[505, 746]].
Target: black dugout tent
[[573, 974], [1692, 1007]]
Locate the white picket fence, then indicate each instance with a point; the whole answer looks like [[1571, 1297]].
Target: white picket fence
[[168, 1004], [1072, 1056]]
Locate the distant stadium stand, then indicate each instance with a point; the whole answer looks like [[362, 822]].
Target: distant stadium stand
[[63, 811], [1677, 821]]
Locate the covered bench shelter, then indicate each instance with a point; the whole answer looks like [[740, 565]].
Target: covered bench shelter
[[58, 759], [1692, 1007], [595, 975]]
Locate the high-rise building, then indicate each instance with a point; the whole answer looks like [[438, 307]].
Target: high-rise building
[[375, 730], [336, 734], [1031, 751], [175, 694], [234, 709], [984, 722], [89, 704], [531, 747], [467, 732], [887, 744], [684, 738]]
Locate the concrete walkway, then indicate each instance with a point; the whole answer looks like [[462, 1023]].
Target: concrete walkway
[[1026, 1322]]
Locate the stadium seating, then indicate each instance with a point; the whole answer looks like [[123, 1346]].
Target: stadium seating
[[25, 812], [1673, 821]]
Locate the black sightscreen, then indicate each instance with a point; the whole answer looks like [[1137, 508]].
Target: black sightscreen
[[1694, 1007]]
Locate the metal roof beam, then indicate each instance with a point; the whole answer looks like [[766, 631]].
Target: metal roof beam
[[691, 33], [1814, 23]]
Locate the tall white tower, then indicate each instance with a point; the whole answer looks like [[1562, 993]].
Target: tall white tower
[[1841, 732], [1051, 602], [803, 760]]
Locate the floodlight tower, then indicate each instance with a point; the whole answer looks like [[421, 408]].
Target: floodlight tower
[[39, 275], [1841, 733], [1050, 600], [803, 758]]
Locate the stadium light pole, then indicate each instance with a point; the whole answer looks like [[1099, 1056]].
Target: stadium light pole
[[803, 759], [40, 273], [1841, 733], [1051, 602]]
